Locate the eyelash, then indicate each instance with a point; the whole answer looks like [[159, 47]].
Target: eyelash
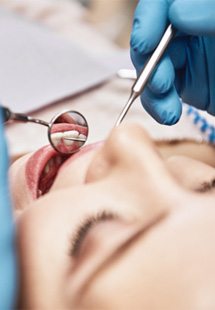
[[207, 186], [84, 228]]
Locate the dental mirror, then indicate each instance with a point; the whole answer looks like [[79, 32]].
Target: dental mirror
[[68, 132]]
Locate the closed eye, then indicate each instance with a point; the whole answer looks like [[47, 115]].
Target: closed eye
[[84, 228], [206, 187]]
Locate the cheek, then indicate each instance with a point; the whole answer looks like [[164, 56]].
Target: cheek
[[173, 260], [43, 258], [98, 169]]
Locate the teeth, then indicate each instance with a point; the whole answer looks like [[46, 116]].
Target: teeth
[[56, 137], [68, 142], [65, 136], [81, 136], [49, 165], [71, 134], [68, 135], [47, 168]]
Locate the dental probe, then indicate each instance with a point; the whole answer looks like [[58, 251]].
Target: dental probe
[[143, 78]]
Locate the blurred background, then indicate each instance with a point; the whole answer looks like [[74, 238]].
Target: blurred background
[[113, 18], [100, 31]]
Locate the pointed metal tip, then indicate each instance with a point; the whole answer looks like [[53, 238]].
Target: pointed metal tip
[[122, 115]]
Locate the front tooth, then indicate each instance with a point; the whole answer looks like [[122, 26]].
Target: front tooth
[[56, 137], [81, 136], [68, 142], [68, 135], [71, 134]]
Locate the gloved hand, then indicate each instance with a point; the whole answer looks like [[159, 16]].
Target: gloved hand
[[187, 70], [7, 233]]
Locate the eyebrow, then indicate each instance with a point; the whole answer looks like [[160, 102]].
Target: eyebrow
[[118, 252], [206, 186]]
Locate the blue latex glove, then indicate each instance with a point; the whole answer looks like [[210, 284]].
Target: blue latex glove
[[7, 234], [188, 68]]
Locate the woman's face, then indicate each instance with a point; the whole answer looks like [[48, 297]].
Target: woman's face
[[125, 225]]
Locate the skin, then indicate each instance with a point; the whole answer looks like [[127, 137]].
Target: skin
[[158, 250]]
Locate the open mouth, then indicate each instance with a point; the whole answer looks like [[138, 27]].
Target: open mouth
[[49, 174], [41, 170], [43, 167]]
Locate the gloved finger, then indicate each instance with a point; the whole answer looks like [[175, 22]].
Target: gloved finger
[[195, 17], [177, 52], [164, 109], [138, 60], [7, 235], [150, 20], [163, 76]]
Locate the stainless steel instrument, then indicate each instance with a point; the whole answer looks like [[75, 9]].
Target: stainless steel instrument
[[143, 78]]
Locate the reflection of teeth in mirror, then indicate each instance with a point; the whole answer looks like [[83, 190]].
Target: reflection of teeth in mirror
[[71, 134], [68, 135], [81, 136], [56, 137], [63, 138], [68, 142]]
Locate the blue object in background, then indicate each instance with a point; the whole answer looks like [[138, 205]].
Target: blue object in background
[[206, 129], [8, 271]]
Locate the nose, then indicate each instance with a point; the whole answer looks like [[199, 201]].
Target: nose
[[119, 150], [130, 165], [129, 149]]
